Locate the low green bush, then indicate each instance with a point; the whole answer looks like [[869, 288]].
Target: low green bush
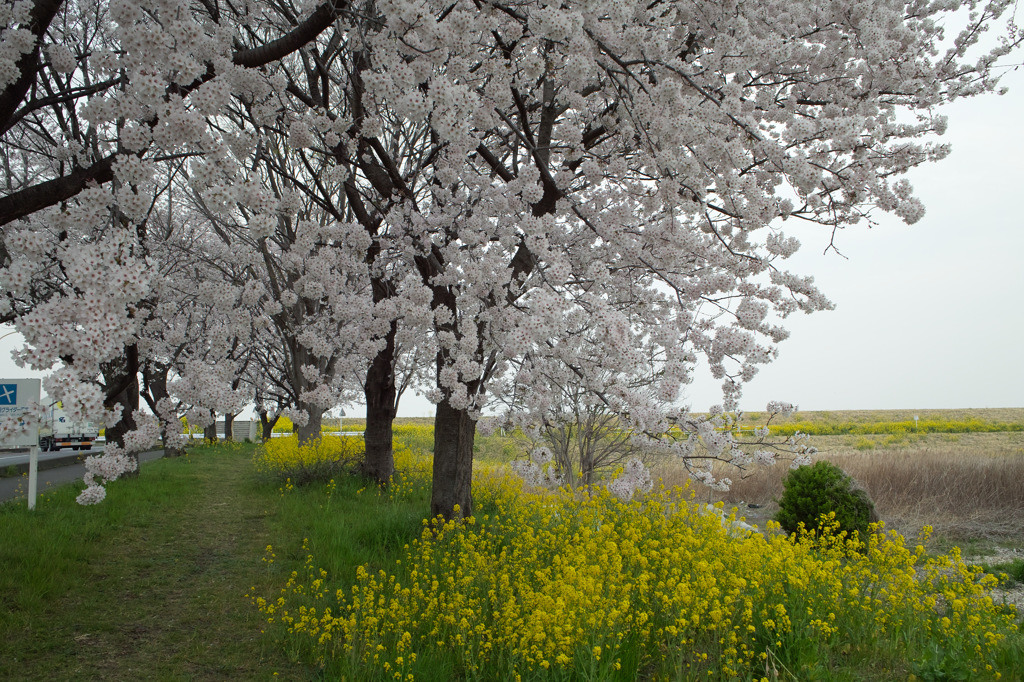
[[822, 488]]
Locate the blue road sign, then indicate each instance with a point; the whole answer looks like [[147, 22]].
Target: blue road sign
[[8, 394]]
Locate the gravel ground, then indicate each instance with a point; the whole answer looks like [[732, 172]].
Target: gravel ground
[[1014, 593]]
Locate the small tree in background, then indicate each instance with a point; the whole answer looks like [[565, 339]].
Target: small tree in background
[[585, 441]]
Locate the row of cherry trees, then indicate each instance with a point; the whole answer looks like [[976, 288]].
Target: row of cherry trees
[[288, 203]]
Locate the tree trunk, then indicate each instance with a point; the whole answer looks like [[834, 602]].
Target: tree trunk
[[210, 432], [229, 425], [267, 426], [156, 384], [172, 452], [380, 392], [454, 433], [121, 377], [311, 431], [301, 357]]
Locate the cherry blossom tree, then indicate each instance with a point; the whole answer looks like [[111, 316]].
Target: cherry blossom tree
[[307, 282], [271, 398], [493, 169], [195, 339], [570, 409], [659, 146]]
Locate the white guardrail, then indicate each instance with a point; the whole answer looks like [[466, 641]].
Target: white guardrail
[[278, 434]]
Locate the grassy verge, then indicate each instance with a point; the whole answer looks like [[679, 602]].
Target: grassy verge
[[151, 583], [1013, 570]]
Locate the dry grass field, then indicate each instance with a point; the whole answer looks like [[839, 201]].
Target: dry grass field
[[965, 488], [968, 486]]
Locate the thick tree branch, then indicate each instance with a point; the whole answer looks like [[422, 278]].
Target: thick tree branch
[[52, 192], [46, 194], [497, 166], [301, 35], [61, 98], [11, 98]]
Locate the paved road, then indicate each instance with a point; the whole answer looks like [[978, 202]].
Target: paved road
[[17, 487], [15, 457]]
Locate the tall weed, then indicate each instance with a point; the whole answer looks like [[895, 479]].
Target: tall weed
[[323, 459]]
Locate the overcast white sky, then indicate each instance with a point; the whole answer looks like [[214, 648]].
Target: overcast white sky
[[927, 316]]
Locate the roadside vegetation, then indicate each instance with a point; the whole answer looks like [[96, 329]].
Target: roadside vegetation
[[238, 562]]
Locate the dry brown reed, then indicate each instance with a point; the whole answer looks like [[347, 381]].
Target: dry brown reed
[[968, 489], [958, 493]]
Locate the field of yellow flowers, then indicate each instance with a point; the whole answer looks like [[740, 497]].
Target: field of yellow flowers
[[581, 586]]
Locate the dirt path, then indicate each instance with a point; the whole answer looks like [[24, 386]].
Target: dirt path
[[167, 600]]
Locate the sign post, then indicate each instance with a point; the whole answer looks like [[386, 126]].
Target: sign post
[[33, 474], [16, 397]]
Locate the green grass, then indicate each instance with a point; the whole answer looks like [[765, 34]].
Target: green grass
[[351, 526], [1014, 570], [151, 583]]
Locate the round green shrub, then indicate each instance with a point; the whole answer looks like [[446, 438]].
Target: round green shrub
[[810, 491]]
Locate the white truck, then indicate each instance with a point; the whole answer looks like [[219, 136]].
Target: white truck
[[60, 432]]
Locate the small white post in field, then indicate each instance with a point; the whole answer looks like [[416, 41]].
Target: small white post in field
[[915, 422]]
